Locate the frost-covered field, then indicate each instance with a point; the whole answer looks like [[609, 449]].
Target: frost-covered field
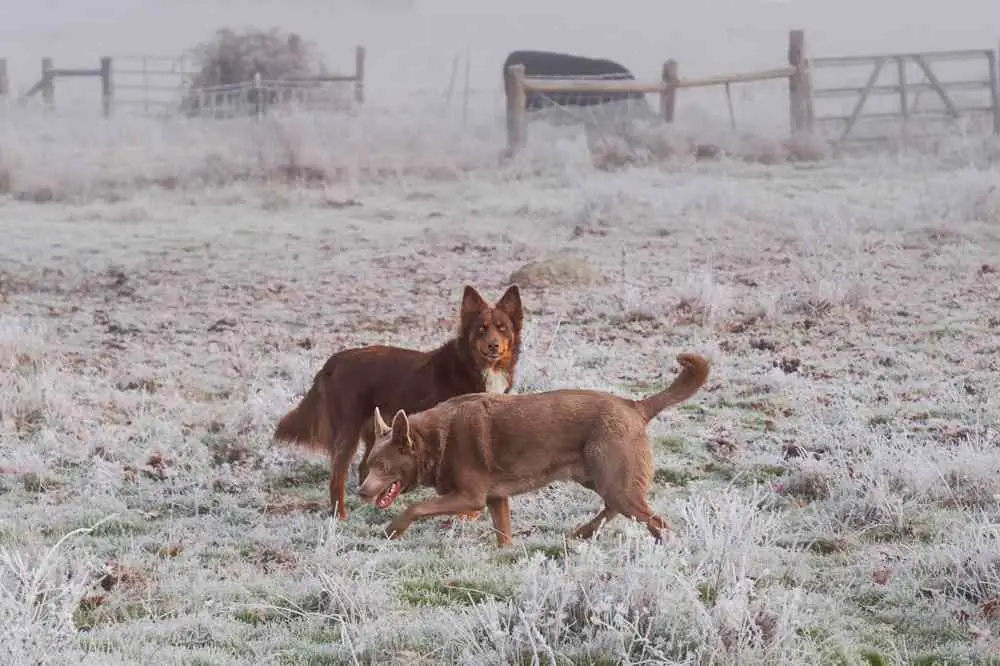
[[833, 490]]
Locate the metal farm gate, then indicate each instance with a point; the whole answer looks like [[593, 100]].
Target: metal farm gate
[[151, 85], [963, 96]]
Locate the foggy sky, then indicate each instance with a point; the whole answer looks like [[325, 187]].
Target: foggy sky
[[412, 49]]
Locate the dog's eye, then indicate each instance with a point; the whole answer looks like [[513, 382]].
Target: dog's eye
[[484, 327], [501, 328]]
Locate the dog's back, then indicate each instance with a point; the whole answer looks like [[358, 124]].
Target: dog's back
[[523, 441], [520, 442]]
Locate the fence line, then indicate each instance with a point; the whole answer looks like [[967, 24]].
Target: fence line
[[670, 82], [801, 90], [46, 85], [152, 70]]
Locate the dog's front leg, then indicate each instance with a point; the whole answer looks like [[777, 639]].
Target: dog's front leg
[[437, 506]]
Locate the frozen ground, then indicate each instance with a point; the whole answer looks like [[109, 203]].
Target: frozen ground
[[833, 490]]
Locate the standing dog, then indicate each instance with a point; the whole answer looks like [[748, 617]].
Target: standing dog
[[338, 408], [479, 450]]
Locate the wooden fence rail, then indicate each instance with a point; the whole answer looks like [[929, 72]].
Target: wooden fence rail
[[46, 85], [670, 82]]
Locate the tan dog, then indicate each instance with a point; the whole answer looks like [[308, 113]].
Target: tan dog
[[337, 410], [478, 450]]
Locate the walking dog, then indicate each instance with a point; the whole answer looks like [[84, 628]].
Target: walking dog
[[479, 450], [337, 410]]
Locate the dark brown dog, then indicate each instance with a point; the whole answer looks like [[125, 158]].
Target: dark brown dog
[[479, 450], [338, 408]]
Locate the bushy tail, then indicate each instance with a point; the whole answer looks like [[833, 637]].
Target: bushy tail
[[305, 424], [694, 373]]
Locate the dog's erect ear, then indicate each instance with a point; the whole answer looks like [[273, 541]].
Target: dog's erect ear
[[510, 304], [381, 427], [401, 431], [472, 304]]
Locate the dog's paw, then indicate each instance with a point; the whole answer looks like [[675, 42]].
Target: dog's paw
[[395, 530], [468, 515]]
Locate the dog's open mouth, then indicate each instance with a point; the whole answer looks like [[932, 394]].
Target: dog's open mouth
[[389, 495]]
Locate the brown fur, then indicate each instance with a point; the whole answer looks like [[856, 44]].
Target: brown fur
[[479, 450], [337, 410]]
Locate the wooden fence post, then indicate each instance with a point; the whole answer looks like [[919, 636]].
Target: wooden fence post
[[668, 96], [4, 80], [516, 102], [799, 85], [904, 102], [107, 87], [995, 89], [258, 96], [359, 74], [48, 83]]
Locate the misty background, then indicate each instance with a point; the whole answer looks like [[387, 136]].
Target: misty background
[[412, 44]]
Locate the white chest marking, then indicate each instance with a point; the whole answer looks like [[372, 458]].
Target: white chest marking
[[495, 380]]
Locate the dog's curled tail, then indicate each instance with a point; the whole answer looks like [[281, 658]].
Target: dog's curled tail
[[304, 424], [694, 373]]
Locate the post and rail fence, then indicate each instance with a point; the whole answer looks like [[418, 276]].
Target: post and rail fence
[[47, 83], [802, 91], [157, 82], [258, 95]]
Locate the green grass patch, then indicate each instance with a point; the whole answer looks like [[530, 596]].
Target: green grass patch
[[879, 420], [759, 474], [39, 483], [826, 545], [511, 556], [325, 635], [675, 477], [116, 527], [707, 593], [908, 532], [720, 471], [695, 410], [92, 612], [756, 421], [944, 660], [670, 444], [310, 657], [302, 473], [451, 592], [263, 616], [873, 658]]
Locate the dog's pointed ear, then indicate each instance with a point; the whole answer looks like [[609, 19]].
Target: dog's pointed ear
[[472, 304], [381, 428], [510, 304], [401, 431]]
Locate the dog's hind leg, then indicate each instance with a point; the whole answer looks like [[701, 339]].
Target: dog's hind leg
[[588, 529], [344, 448], [639, 510], [500, 513], [623, 479]]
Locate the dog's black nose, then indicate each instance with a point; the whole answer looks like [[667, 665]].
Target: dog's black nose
[[493, 347]]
